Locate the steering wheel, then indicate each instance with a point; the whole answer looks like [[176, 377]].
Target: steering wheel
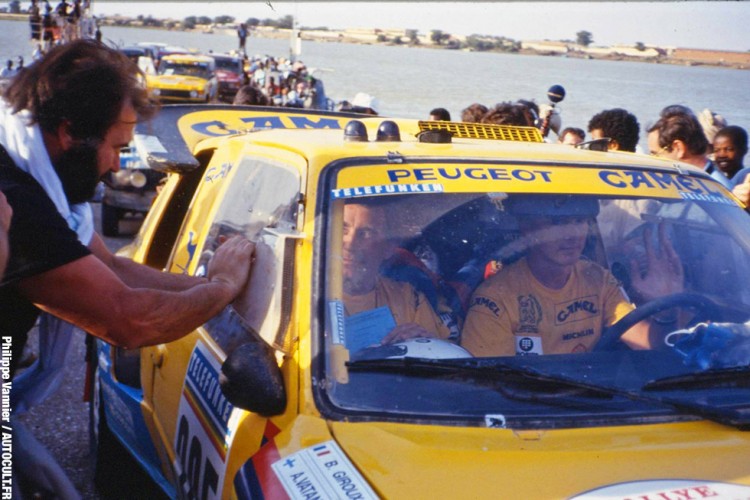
[[707, 308]]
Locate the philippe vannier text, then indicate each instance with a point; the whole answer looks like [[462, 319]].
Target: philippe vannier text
[[6, 445]]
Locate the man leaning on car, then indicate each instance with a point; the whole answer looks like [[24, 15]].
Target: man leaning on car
[[62, 124]]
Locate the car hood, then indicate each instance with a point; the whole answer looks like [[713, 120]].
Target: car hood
[[410, 461], [176, 81]]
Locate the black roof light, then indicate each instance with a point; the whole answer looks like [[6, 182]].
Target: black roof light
[[355, 131], [388, 132]]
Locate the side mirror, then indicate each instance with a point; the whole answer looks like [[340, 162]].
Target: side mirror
[[251, 379]]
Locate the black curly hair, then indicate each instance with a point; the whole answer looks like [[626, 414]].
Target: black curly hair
[[618, 125]]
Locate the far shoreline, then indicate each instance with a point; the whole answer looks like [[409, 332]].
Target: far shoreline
[[656, 55]]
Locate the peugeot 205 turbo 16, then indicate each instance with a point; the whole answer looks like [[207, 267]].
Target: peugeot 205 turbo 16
[[407, 332]]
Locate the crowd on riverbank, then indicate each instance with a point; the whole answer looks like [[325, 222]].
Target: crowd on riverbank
[[53, 26], [705, 140]]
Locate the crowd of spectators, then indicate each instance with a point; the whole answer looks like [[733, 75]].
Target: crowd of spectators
[[63, 23], [279, 81]]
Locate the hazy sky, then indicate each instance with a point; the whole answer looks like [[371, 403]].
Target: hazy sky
[[714, 24]]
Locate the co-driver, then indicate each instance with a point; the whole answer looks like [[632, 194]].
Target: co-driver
[[365, 246]]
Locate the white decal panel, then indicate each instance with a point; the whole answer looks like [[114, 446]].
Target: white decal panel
[[206, 423], [668, 489], [321, 471]]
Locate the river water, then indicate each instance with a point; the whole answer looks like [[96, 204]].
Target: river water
[[411, 81]]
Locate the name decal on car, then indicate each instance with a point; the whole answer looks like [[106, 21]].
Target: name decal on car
[[321, 471]]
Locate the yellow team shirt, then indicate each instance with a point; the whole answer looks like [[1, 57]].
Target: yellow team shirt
[[513, 313], [407, 305]]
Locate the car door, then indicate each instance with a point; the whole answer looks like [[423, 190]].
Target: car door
[[257, 196]]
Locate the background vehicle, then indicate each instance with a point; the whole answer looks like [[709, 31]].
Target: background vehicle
[[230, 72], [273, 399], [144, 57], [159, 49], [184, 78], [131, 190]]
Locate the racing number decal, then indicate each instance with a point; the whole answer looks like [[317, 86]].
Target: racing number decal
[[205, 429], [190, 480]]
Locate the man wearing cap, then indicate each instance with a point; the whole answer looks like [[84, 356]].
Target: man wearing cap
[[365, 103], [711, 123], [551, 301]]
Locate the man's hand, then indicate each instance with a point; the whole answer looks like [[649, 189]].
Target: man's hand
[[663, 275], [406, 332], [742, 191], [232, 262]]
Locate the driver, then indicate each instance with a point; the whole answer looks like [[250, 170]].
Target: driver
[[553, 301], [403, 312]]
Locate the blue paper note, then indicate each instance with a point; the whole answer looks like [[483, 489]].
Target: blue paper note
[[368, 328]]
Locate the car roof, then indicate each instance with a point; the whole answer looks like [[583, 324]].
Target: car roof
[[130, 48], [332, 142], [187, 58], [225, 57], [321, 135], [152, 44]]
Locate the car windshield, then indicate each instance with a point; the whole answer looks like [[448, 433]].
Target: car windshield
[[233, 65], [200, 70], [621, 298]]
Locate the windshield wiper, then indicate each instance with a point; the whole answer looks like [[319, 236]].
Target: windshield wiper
[[734, 377], [534, 385], [519, 382]]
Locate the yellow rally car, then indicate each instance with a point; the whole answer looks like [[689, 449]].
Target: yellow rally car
[[184, 78], [366, 226]]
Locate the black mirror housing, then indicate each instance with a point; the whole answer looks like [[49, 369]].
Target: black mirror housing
[[251, 379]]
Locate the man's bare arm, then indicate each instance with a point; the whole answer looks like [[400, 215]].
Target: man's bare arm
[[89, 294], [138, 275]]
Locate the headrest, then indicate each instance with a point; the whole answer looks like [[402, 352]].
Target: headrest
[[552, 205]]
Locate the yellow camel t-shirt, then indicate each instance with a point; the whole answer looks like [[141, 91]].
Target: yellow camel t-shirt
[[513, 313], [406, 304]]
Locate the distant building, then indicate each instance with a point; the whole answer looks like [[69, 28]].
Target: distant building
[[712, 56], [546, 46]]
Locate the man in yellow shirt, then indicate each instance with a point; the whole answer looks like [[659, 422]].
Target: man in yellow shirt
[[366, 244], [552, 301]]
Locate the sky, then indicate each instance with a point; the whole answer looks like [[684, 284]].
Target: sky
[[696, 24]]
